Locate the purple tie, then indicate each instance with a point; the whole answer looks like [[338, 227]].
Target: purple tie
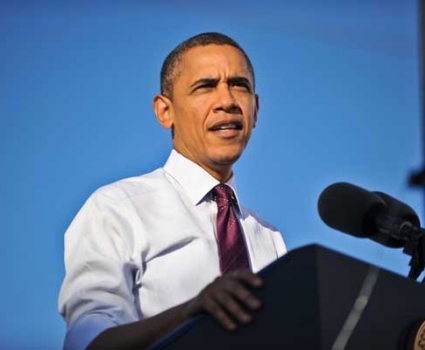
[[231, 245]]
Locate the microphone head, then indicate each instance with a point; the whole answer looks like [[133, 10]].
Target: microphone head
[[350, 209]]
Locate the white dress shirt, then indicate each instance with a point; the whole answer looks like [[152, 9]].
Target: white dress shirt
[[144, 244]]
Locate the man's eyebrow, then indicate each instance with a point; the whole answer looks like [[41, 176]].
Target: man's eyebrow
[[205, 81], [234, 80], [239, 80]]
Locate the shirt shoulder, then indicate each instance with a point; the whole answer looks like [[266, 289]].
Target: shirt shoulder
[[132, 186], [120, 209]]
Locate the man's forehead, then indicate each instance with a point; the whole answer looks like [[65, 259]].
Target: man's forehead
[[206, 60]]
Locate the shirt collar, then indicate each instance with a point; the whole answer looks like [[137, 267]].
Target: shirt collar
[[194, 180]]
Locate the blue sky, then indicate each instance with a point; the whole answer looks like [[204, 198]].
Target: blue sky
[[340, 100]]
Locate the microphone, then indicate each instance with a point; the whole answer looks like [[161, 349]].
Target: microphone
[[361, 213], [399, 210]]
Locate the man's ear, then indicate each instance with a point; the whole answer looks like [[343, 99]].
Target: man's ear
[[162, 106], [257, 108]]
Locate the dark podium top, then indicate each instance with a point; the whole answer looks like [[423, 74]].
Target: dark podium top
[[307, 297]]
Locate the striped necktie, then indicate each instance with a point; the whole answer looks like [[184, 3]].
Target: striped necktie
[[232, 249]]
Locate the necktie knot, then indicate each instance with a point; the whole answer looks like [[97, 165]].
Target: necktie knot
[[222, 194]]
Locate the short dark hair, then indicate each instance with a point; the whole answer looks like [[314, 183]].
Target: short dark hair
[[170, 67]]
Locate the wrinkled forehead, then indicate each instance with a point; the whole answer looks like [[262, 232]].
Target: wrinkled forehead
[[213, 61]]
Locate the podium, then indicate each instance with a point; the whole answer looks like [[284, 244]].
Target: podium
[[307, 298]]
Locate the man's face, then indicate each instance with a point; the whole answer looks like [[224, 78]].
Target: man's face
[[214, 107]]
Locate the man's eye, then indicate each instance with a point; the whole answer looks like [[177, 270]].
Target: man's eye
[[205, 87]]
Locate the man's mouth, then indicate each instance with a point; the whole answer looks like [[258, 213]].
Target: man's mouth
[[234, 125]]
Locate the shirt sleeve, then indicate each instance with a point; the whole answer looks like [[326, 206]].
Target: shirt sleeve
[[98, 289]]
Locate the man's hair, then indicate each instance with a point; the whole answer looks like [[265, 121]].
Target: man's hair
[[171, 67]]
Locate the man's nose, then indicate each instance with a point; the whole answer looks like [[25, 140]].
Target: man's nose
[[226, 100]]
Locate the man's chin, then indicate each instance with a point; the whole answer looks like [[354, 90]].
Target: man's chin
[[227, 159]]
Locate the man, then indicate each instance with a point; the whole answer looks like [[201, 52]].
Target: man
[[144, 254]]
